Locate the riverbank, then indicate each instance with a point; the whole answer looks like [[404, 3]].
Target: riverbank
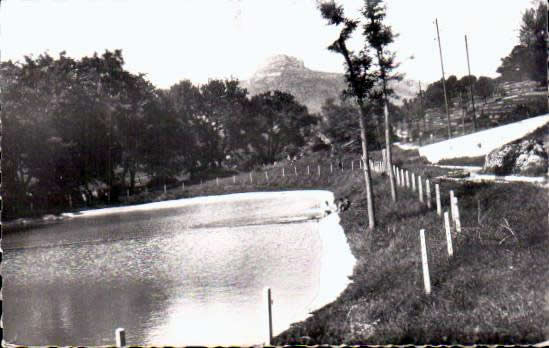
[[491, 291]]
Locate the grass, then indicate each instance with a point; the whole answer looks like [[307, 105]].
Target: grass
[[491, 291], [464, 161]]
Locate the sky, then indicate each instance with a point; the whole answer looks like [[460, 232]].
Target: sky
[[197, 40]]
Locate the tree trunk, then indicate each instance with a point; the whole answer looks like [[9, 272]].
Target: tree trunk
[[366, 169], [389, 164]]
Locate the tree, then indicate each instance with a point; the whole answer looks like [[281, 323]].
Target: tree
[[528, 59], [360, 81], [279, 124], [485, 87], [379, 36]]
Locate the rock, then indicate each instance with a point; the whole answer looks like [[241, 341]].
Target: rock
[[525, 157], [501, 161]]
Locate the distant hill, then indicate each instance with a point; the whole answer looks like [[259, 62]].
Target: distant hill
[[310, 87]]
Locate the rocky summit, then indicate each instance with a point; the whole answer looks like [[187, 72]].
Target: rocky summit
[[310, 87]]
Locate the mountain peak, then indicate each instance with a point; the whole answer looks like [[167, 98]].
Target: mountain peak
[[283, 62]]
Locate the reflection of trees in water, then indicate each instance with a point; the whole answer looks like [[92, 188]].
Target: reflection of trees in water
[[43, 314]]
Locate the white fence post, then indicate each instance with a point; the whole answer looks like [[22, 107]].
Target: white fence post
[[424, 263], [283, 172], [428, 192], [407, 179], [234, 179], [414, 182], [319, 170], [448, 234], [217, 181], [457, 220], [267, 176], [352, 165], [420, 188], [437, 194], [452, 210], [295, 170], [331, 167], [308, 170], [120, 335]]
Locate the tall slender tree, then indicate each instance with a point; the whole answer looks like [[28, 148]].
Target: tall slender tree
[[379, 36], [360, 82]]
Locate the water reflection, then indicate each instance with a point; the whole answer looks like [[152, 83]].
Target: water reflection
[[162, 277]]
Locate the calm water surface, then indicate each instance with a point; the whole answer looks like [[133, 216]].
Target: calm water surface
[[186, 274]]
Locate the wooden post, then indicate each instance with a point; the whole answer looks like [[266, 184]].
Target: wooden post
[[420, 184], [457, 220], [448, 233], [270, 314], [120, 335], [414, 182], [308, 171], [164, 188], [428, 192], [437, 194], [452, 211], [424, 263]]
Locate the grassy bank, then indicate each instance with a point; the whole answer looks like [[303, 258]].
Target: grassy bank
[[491, 291]]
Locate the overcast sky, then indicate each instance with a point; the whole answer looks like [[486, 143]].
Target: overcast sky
[[201, 39]]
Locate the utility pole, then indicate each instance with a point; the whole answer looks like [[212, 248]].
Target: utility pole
[[443, 82], [422, 110], [471, 87]]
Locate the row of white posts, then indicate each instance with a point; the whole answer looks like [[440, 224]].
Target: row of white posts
[[404, 179], [120, 333]]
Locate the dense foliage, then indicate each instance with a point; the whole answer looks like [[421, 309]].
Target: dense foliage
[[79, 131]]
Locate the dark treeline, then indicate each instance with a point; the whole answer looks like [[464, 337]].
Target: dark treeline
[[81, 131]]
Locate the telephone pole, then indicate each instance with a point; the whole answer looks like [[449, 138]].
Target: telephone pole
[[422, 111], [471, 87], [443, 82]]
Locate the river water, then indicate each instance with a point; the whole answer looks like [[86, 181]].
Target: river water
[[186, 272]]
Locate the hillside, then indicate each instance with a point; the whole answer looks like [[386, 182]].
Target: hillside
[[511, 102], [310, 87]]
